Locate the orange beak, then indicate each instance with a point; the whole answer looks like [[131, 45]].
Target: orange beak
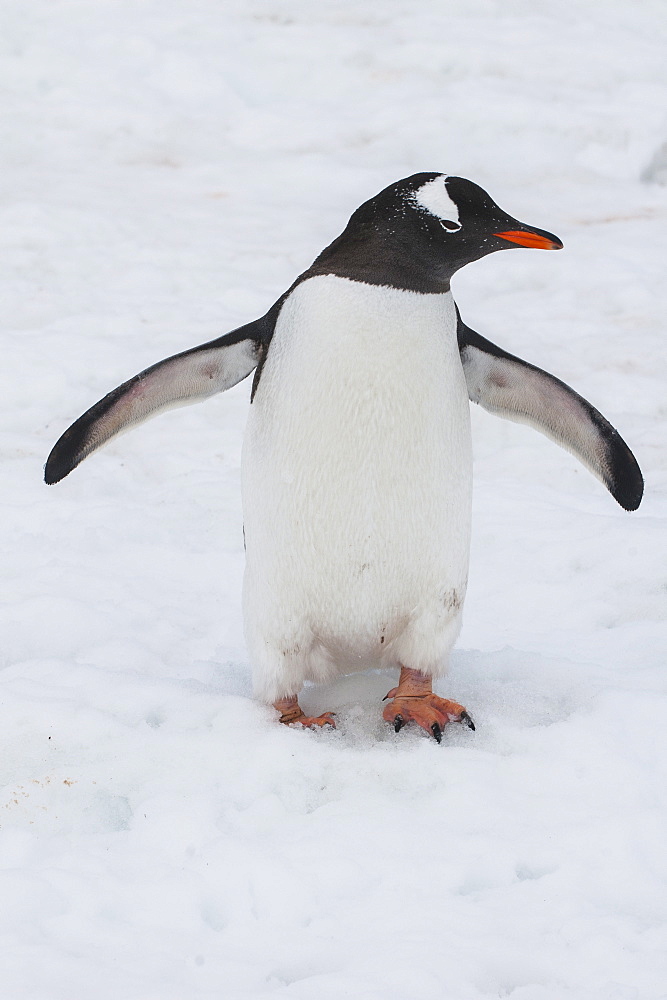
[[531, 240]]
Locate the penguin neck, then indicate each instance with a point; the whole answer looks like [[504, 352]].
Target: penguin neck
[[383, 257]]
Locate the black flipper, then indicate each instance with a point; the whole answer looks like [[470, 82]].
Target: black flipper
[[184, 378], [512, 388]]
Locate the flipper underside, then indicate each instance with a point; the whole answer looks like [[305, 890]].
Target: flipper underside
[[184, 378], [512, 388], [500, 382]]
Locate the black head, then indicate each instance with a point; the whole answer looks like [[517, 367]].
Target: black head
[[417, 232]]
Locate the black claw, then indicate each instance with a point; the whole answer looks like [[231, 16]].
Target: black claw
[[437, 732], [399, 722], [467, 720]]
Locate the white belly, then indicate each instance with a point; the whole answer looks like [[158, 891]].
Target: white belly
[[356, 486]]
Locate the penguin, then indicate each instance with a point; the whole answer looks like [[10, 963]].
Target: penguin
[[357, 456]]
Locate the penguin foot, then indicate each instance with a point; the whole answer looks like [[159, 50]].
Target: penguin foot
[[291, 714], [414, 701]]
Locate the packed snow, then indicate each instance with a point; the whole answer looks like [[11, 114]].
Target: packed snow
[[167, 169]]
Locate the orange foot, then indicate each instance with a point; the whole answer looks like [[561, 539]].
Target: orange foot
[[291, 714], [414, 701]]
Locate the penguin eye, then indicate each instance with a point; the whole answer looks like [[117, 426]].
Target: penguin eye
[[448, 226]]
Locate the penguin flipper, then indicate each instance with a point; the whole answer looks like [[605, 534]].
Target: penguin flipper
[[512, 388], [185, 378]]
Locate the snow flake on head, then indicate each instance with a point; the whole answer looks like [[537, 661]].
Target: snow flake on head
[[434, 198]]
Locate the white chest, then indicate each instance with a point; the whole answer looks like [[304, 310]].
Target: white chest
[[355, 374], [357, 453]]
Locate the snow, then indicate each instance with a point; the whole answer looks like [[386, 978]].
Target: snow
[[167, 169]]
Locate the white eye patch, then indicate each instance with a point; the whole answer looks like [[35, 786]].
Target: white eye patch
[[434, 198]]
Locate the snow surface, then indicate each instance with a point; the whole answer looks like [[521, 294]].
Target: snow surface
[[167, 169]]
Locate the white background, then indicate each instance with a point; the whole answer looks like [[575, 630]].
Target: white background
[[166, 169]]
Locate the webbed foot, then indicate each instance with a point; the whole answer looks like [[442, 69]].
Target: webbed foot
[[291, 714], [414, 701]]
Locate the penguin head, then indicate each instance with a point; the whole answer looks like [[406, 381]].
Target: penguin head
[[416, 233], [463, 218]]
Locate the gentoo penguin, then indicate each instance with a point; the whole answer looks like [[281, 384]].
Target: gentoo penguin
[[357, 458]]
